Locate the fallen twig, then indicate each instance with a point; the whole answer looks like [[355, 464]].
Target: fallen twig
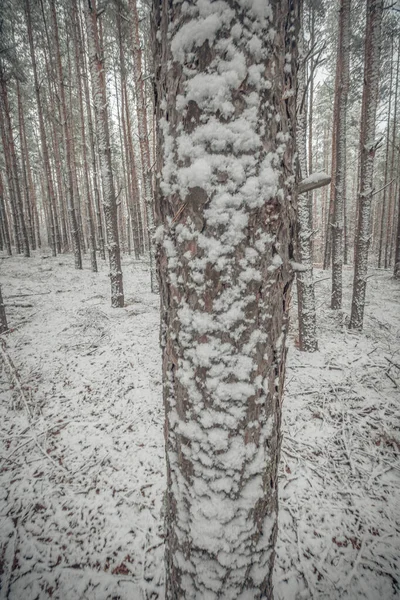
[[13, 375]]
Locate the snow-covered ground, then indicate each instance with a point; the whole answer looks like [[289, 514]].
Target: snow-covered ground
[[82, 458]]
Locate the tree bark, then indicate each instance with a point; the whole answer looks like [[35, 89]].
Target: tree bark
[[226, 115], [342, 88], [103, 136], [367, 155]]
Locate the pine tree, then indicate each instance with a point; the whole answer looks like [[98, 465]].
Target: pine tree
[[226, 110], [367, 155]]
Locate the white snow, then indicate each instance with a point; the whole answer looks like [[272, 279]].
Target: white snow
[[82, 481]]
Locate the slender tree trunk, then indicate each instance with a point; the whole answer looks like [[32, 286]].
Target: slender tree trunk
[[95, 174], [10, 183], [383, 215], [391, 191], [305, 279], [89, 202], [67, 132], [49, 180], [3, 318], [225, 277], [4, 220], [144, 141], [396, 271], [101, 115], [367, 155], [342, 88], [14, 173], [24, 164]]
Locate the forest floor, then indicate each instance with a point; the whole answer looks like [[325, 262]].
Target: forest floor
[[81, 443]]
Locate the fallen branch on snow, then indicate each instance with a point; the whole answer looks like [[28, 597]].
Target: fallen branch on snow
[[13, 375]]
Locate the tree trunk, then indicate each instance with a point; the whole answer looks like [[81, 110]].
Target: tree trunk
[[392, 187], [3, 318], [305, 279], [342, 88], [226, 117], [89, 203], [8, 138], [4, 220], [396, 271], [67, 134], [95, 174], [54, 241], [25, 165], [367, 155], [144, 141], [101, 116]]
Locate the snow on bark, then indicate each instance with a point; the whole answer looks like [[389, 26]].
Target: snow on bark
[[223, 205], [342, 87], [104, 145], [367, 155]]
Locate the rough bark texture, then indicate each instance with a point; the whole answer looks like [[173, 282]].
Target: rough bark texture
[[367, 155], [342, 88], [226, 111], [305, 280], [104, 144]]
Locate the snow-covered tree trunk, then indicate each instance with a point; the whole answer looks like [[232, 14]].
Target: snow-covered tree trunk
[[226, 89], [104, 144], [305, 280], [367, 155], [144, 141], [342, 87]]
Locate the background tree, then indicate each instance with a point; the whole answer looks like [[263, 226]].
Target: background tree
[[225, 160], [342, 85], [104, 143], [367, 154], [3, 318]]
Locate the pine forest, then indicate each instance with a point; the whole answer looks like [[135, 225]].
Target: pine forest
[[199, 299]]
